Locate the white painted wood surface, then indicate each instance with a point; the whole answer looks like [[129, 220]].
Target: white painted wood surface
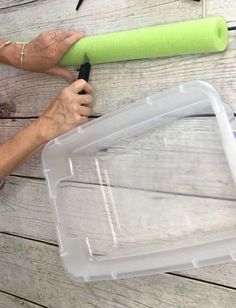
[[189, 151], [219, 69], [226, 9], [26, 211], [16, 87], [34, 270], [9, 301], [30, 268], [11, 3]]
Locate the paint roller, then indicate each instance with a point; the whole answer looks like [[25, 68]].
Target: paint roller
[[190, 37]]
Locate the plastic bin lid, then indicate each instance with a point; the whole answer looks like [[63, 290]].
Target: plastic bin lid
[[136, 192]]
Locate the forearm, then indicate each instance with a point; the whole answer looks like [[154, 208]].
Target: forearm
[[9, 54], [21, 147]]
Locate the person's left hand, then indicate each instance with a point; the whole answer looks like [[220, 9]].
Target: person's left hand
[[44, 52]]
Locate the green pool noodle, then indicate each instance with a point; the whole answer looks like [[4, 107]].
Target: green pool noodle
[[190, 37]]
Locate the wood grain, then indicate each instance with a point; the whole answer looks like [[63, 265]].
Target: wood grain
[[226, 9], [16, 87], [26, 213], [34, 271], [28, 94], [189, 160], [12, 3], [25, 210], [95, 16], [11, 301], [154, 75], [222, 274]]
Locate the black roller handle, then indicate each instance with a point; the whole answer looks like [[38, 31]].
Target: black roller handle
[[84, 73]]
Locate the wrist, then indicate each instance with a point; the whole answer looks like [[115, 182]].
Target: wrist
[[45, 129], [41, 131], [11, 55]]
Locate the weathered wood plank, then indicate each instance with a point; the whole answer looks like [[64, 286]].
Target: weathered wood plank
[[33, 270], [4, 4], [25, 210], [225, 8], [28, 94], [94, 16], [10, 301], [16, 88], [189, 151], [26, 214], [223, 274]]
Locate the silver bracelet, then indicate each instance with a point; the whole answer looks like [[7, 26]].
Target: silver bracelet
[[22, 55], [7, 43]]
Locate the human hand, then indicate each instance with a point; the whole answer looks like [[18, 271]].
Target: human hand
[[67, 111], [44, 52]]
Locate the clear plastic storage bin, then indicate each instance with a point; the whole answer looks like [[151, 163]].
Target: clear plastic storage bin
[[137, 192]]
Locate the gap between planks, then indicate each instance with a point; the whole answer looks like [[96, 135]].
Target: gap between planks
[[201, 280], [6, 5], [182, 276], [23, 299], [133, 188], [29, 238]]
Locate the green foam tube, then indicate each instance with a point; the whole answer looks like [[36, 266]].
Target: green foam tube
[[191, 37]]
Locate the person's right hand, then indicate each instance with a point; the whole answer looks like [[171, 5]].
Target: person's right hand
[[67, 111]]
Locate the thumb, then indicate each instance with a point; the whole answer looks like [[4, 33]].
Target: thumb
[[62, 72]]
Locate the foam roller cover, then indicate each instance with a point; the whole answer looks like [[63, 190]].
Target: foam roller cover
[[191, 37]]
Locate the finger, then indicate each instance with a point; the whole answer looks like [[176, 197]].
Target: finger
[[80, 85], [69, 41], [74, 37], [62, 72], [85, 99], [85, 111], [83, 120], [68, 33], [63, 34]]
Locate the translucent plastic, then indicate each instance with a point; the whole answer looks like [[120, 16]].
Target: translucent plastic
[[137, 192]]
